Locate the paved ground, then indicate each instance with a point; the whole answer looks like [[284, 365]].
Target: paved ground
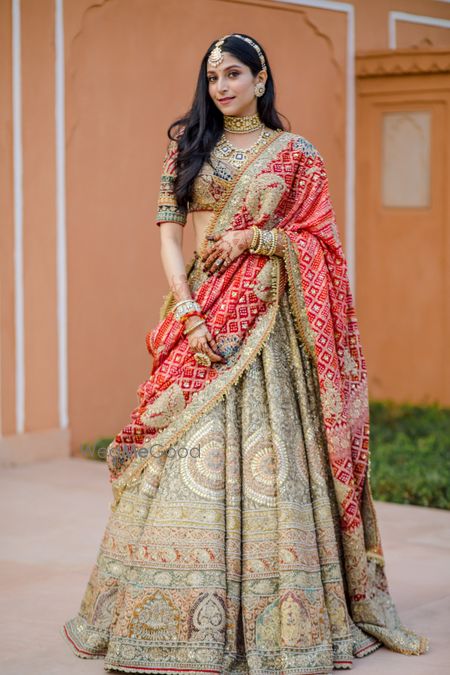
[[54, 514]]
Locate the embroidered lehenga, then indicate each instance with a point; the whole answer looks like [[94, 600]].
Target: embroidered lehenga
[[242, 536]]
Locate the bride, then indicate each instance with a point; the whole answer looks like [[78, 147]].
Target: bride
[[242, 536]]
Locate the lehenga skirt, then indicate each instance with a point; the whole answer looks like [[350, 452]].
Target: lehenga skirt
[[233, 563]]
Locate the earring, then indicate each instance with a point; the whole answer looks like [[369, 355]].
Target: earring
[[260, 88]]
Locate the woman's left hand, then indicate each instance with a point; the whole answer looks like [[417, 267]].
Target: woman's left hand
[[227, 247]]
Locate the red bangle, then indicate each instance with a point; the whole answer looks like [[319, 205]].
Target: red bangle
[[194, 312]]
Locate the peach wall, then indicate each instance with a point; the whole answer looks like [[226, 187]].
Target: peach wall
[[372, 19], [7, 335], [38, 130], [129, 70]]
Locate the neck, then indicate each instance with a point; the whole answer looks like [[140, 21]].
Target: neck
[[242, 124]]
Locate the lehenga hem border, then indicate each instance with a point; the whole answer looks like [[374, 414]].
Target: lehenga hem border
[[149, 671], [365, 651], [81, 653], [84, 654]]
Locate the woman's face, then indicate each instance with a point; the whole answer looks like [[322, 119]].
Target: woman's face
[[231, 86]]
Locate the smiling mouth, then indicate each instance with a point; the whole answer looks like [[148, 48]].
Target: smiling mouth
[[227, 98]]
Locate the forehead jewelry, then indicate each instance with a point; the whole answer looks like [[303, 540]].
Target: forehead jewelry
[[216, 56]]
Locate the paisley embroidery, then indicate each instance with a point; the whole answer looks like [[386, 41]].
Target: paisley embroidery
[[166, 407], [264, 195], [263, 285]]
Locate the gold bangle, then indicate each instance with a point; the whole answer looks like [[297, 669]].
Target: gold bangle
[[183, 302], [270, 243], [284, 238], [189, 330], [254, 237], [265, 243], [275, 241], [256, 241]]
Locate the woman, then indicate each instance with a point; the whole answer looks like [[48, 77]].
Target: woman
[[242, 536]]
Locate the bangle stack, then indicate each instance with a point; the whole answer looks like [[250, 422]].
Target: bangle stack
[[198, 323], [188, 315], [264, 241], [186, 308]]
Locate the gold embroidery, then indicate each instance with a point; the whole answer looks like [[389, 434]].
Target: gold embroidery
[[349, 363], [213, 182], [167, 208], [263, 286], [238, 552], [296, 297], [170, 403], [265, 195]]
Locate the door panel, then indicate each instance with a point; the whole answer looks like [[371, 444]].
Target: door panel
[[402, 236]]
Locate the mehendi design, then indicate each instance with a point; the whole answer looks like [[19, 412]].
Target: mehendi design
[[180, 287]]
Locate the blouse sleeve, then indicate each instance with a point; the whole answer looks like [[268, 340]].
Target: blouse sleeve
[[168, 209]]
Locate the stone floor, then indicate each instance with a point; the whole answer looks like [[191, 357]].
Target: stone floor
[[54, 514]]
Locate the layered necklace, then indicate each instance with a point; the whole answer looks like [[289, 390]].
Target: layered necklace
[[244, 124]]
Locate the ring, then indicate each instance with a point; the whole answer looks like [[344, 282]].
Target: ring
[[202, 359], [219, 261]]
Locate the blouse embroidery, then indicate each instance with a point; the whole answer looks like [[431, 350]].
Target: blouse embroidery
[[168, 209], [211, 183]]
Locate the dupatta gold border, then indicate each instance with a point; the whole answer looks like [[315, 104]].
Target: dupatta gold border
[[297, 297]]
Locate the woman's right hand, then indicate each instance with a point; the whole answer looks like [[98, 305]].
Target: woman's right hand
[[201, 340]]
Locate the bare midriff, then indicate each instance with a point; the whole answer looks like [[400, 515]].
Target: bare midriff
[[201, 221]]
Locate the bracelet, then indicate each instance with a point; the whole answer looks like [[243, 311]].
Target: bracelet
[[274, 232], [283, 236], [189, 330], [255, 238], [270, 243], [186, 316], [181, 302], [267, 243], [185, 307], [256, 241]]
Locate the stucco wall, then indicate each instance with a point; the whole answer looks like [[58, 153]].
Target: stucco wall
[[129, 68]]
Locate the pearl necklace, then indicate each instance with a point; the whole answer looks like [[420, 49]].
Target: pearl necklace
[[242, 124]]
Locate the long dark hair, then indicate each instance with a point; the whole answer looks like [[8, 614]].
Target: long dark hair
[[203, 123]]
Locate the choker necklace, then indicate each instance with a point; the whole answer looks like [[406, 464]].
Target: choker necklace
[[243, 124]]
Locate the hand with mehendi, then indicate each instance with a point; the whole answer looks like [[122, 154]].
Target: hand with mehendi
[[201, 340], [227, 246], [180, 287]]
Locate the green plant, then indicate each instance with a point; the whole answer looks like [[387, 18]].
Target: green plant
[[97, 450], [410, 453]]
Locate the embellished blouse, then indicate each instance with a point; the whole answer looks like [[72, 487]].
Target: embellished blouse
[[213, 182]]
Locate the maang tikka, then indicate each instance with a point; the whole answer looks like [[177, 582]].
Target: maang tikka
[[216, 56]]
